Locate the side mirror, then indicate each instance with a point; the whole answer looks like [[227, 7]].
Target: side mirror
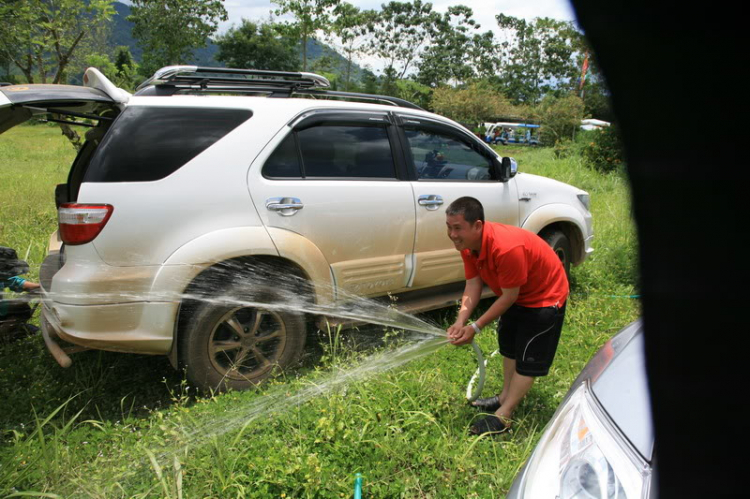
[[506, 169]]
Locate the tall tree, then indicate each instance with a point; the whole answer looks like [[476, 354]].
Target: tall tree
[[311, 15], [456, 53], [43, 38], [350, 26], [169, 31], [537, 56], [400, 33], [257, 46]]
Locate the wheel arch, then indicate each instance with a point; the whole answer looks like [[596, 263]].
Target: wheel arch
[[194, 262], [563, 218]]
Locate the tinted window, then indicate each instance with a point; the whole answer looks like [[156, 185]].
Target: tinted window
[[346, 151], [284, 162], [150, 143], [439, 155]]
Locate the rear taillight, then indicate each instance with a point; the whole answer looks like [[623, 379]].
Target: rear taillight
[[81, 223]]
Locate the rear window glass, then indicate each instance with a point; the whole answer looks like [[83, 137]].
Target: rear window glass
[[150, 143]]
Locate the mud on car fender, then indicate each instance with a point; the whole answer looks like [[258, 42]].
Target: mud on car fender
[[186, 264]]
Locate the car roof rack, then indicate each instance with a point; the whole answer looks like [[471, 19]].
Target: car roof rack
[[394, 101], [172, 80]]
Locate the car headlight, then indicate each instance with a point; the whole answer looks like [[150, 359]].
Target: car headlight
[[585, 200], [580, 456]]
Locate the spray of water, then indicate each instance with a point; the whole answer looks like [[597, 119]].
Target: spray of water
[[238, 286]]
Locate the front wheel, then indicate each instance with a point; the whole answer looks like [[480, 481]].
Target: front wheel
[[560, 244], [240, 339]]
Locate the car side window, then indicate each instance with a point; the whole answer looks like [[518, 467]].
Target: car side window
[[284, 161], [336, 152], [346, 151], [439, 155]]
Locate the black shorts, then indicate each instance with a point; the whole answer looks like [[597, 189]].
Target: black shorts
[[530, 336]]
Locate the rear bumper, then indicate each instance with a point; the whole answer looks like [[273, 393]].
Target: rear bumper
[[137, 327], [94, 305]]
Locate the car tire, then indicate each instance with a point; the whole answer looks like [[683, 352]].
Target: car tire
[[560, 244], [233, 342]]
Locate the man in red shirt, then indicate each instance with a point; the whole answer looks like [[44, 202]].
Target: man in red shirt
[[532, 289]]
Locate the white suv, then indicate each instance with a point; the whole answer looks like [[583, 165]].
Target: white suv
[[184, 189]]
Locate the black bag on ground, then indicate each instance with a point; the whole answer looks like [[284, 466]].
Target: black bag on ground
[[19, 312], [10, 265]]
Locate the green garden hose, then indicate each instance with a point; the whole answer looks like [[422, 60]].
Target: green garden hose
[[473, 393]]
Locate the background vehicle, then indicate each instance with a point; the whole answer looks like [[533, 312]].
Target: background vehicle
[[600, 441], [512, 133], [183, 213]]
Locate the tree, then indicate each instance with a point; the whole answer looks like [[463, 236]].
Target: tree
[[369, 81], [476, 103], [43, 38], [592, 87], [123, 72], [400, 33], [455, 54], [560, 117], [605, 152], [124, 59], [415, 92], [169, 31], [538, 57], [311, 15], [349, 25], [257, 46]]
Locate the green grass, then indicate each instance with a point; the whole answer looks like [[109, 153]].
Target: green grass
[[35, 159], [100, 428]]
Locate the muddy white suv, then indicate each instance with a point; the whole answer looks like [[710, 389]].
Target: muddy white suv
[[209, 183]]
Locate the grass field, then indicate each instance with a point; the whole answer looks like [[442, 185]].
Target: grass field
[[108, 425]]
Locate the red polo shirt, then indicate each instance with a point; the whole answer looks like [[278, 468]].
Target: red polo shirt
[[513, 257]]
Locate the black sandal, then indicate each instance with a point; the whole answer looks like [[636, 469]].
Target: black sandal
[[491, 424], [490, 404]]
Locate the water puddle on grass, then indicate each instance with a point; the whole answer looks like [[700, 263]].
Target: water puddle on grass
[[270, 291]]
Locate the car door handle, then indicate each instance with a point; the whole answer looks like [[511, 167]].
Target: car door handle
[[430, 201], [286, 207]]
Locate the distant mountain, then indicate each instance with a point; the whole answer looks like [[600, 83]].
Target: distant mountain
[[122, 34]]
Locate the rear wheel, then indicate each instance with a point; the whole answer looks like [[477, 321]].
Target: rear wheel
[[241, 338], [560, 244]]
